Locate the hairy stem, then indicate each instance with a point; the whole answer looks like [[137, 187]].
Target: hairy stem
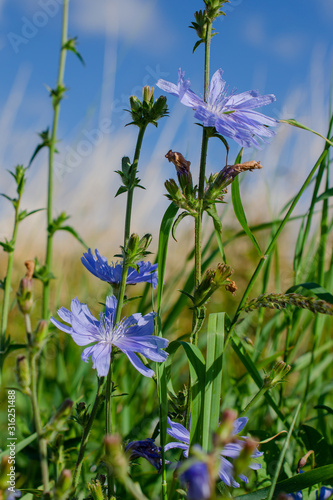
[[52, 147], [8, 283], [130, 191]]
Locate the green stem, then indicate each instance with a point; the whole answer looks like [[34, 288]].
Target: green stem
[[130, 191], [121, 294], [253, 401], [271, 246], [86, 432], [8, 283], [52, 147], [207, 57], [201, 188]]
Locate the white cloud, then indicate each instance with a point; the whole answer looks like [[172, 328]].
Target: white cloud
[[254, 31], [288, 46], [136, 21]]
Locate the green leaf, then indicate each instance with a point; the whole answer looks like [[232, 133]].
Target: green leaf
[[21, 445], [7, 246], [12, 200], [282, 455], [197, 374], [177, 221], [212, 212], [23, 215], [316, 289], [213, 377], [327, 194], [293, 484], [295, 123], [72, 231], [165, 229], [324, 407], [121, 190], [240, 214], [196, 45]]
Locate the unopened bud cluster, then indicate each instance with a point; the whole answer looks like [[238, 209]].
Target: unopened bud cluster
[[211, 281], [96, 491], [217, 183], [136, 248], [202, 18], [280, 370], [148, 110], [184, 195], [24, 294]]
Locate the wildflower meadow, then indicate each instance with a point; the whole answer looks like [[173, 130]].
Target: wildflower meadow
[[195, 361]]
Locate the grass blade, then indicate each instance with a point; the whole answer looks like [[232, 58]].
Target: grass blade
[[213, 377]]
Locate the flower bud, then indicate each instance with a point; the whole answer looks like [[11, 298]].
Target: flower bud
[[96, 491], [41, 333], [145, 242], [175, 194], [160, 107], [147, 111], [147, 94], [211, 281], [23, 374], [183, 170], [63, 485], [24, 294], [81, 414], [135, 104], [133, 244], [280, 370]]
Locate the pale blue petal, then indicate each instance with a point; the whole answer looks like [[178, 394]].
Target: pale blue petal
[[138, 365]]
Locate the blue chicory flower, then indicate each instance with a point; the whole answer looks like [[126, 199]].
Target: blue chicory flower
[[231, 450], [197, 481], [132, 334], [232, 115], [99, 267], [146, 448], [323, 494], [11, 494]]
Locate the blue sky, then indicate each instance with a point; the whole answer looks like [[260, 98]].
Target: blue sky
[[282, 47], [261, 44]]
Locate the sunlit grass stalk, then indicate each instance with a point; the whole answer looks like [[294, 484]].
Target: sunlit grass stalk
[[86, 432], [8, 280], [52, 149], [272, 244]]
